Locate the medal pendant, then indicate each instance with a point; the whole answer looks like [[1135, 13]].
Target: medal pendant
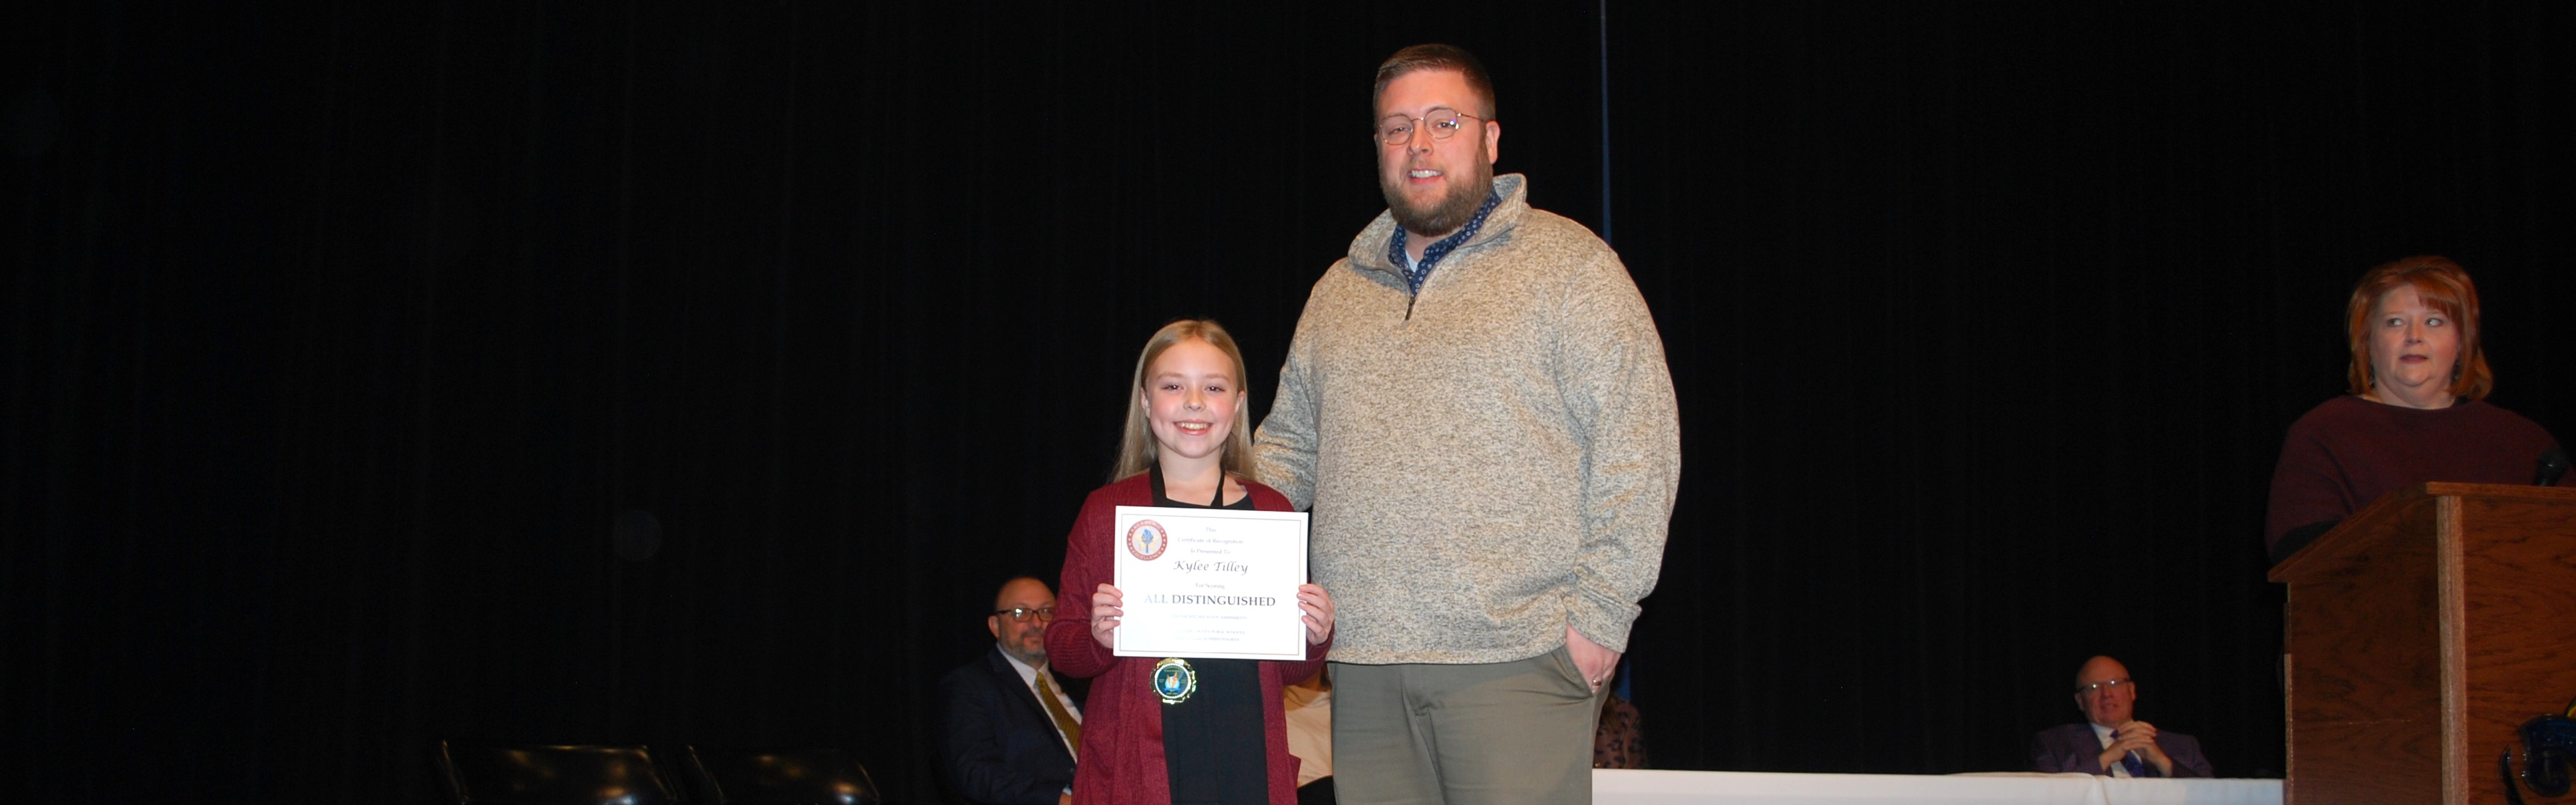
[[1174, 680]]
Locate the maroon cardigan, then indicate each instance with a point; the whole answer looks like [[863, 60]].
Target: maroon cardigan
[[1122, 719]]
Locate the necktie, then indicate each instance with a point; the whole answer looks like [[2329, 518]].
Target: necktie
[[1064, 722], [2130, 761]]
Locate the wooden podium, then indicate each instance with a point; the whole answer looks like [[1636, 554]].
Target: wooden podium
[[2420, 633]]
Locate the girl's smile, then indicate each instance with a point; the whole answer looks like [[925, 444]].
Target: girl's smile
[[1191, 395]]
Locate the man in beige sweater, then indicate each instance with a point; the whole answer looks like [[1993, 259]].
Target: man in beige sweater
[[1477, 410]]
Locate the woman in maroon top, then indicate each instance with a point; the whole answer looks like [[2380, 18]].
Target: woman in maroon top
[[2418, 377]]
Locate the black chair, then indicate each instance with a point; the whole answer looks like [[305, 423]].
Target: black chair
[[779, 777], [492, 774]]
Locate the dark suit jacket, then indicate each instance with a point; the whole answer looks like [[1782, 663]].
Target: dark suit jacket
[[997, 745], [2074, 748]]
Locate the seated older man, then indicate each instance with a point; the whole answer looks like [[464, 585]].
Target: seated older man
[[1008, 728], [2113, 742]]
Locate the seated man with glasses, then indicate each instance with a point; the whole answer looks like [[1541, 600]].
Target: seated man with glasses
[[1009, 730], [2112, 742]]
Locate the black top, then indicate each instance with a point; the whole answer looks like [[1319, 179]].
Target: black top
[[1212, 741]]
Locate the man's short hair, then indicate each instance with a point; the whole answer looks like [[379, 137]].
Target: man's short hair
[[1435, 57]]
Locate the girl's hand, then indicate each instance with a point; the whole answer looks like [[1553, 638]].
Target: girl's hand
[[1319, 613], [1105, 612]]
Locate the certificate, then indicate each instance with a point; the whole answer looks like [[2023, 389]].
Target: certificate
[[1215, 583]]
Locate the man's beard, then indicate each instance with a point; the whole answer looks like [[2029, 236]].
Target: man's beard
[[1017, 647], [1450, 213]]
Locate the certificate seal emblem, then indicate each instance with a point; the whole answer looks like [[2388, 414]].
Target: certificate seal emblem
[[1146, 541], [1175, 680]]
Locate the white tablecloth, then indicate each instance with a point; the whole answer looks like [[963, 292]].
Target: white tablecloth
[[1657, 787]]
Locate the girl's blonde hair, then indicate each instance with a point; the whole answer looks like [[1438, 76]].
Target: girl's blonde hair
[[1136, 448]]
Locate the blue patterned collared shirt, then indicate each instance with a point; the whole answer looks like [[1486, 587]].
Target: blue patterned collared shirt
[[1431, 255]]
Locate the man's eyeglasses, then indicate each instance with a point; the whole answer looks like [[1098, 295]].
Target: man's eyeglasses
[[1443, 123], [2101, 687], [1022, 614]]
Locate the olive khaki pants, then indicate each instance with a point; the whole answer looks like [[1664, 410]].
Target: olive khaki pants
[[1488, 734]]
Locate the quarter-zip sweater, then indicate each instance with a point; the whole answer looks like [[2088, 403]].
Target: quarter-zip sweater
[[1488, 461]]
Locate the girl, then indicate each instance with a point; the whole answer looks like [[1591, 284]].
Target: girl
[[1188, 444]]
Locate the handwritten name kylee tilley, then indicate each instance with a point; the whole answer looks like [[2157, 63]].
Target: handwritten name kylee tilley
[[1190, 566]]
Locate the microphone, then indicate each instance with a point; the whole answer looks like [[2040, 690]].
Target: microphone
[[2553, 463]]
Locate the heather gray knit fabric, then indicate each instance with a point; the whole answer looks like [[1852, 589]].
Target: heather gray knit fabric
[[1487, 462]]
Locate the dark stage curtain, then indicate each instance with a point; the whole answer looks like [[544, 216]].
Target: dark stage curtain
[[694, 374]]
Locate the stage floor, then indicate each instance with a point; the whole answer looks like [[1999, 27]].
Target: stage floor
[[1657, 787]]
